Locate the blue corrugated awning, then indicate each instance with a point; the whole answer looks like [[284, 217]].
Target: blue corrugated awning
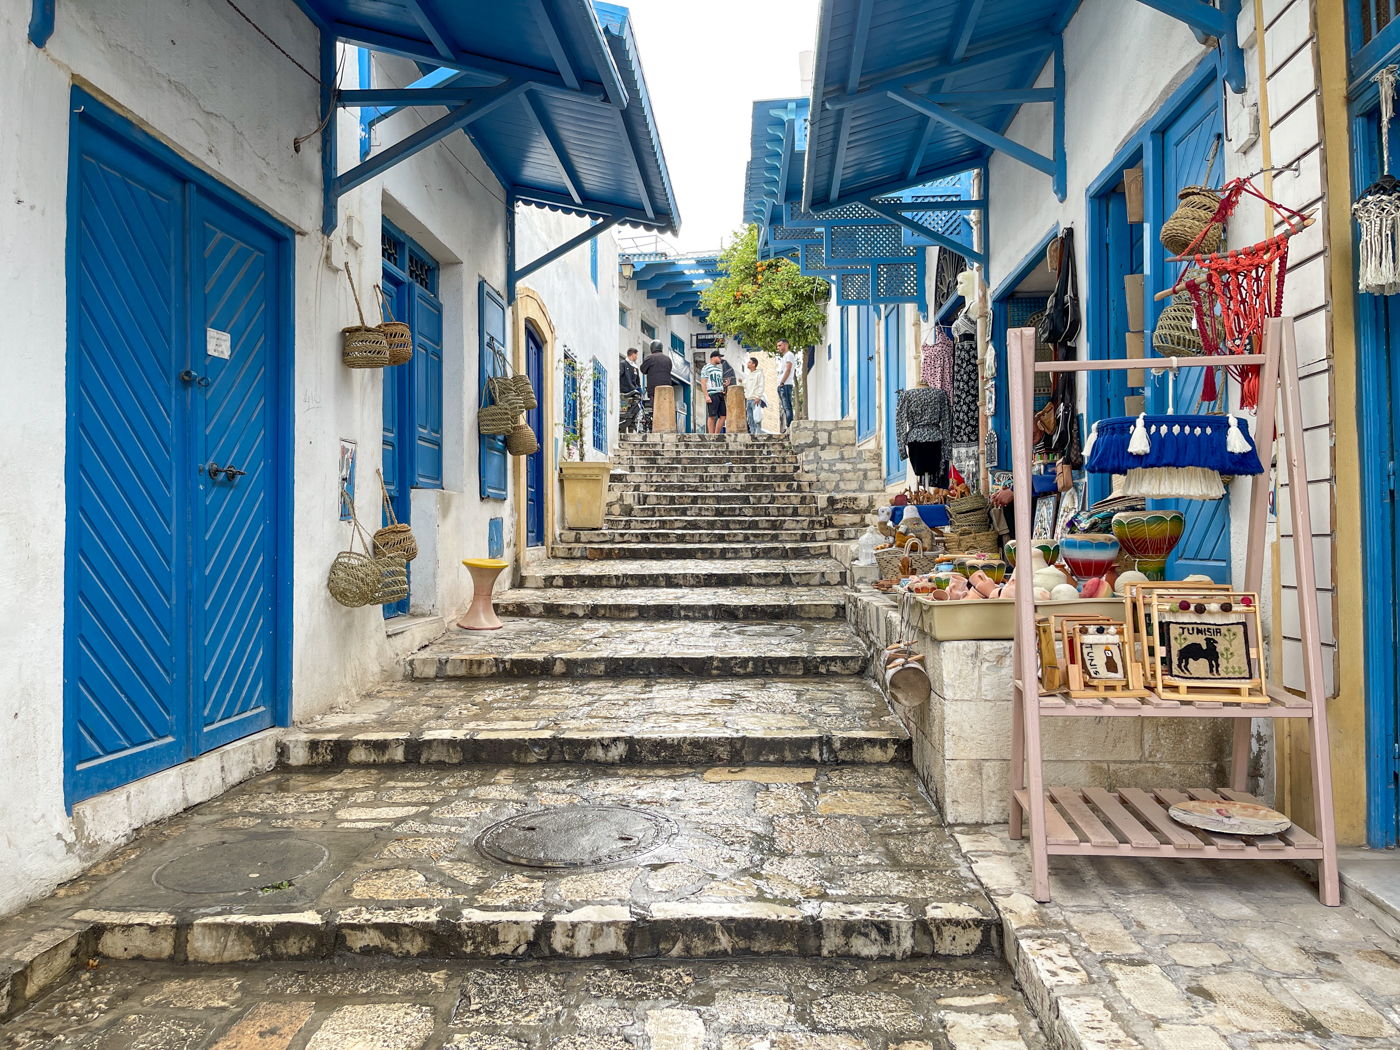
[[551, 92], [675, 282], [777, 147]]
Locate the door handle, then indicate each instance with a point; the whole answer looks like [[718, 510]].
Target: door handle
[[231, 472], [194, 377]]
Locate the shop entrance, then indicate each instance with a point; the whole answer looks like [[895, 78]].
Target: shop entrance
[[895, 468], [178, 321], [534, 463]]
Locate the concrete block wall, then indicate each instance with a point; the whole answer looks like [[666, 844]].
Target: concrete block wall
[[962, 736], [827, 450]]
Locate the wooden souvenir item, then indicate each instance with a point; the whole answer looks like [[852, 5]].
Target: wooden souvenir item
[[1206, 647], [1230, 818], [1098, 661], [1051, 674], [1139, 601]]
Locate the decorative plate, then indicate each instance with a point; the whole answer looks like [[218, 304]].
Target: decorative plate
[[1230, 818]]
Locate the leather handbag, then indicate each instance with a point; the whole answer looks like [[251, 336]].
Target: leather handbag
[[1060, 322]]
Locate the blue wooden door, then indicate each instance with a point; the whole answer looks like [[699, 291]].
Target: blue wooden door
[[865, 372], [234, 287], [1186, 145], [534, 464], [845, 362], [427, 388], [170, 634], [128, 471], [894, 383], [492, 446]]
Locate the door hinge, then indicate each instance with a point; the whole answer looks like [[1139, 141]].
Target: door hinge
[[1390, 477]]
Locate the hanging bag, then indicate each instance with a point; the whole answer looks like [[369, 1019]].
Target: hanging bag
[[1193, 226], [354, 577], [363, 346], [1061, 321], [396, 537], [500, 416], [397, 334]]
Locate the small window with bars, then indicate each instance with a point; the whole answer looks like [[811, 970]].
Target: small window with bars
[[622, 316], [1372, 16], [600, 407], [648, 329], [421, 272], [391, 248]]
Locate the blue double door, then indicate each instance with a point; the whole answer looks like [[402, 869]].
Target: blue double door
[[175, 331], [896, 467]]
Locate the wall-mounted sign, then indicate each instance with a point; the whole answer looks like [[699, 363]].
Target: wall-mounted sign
[[217, 343], [347, 478], [707, 341]]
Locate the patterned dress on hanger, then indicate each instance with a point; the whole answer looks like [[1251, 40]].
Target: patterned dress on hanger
[[964, 396]]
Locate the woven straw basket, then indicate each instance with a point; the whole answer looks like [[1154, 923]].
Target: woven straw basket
[[921, 561], [1192, 219], [392, 573], [972, 541], [354, 576], [397, 334], [521, 441], [397, 537], [1177, 333], [524, 392], [496, 419], [890, 563], [363, 346]]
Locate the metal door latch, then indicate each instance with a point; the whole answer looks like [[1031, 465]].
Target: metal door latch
[[231, 472], [194, 377]]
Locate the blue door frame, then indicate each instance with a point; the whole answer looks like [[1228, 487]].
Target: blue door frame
[[895, 464], [845, 361], [534, 463], [1378, 398], [865, 372], [491, 448], [177, 587], [1002, 295]]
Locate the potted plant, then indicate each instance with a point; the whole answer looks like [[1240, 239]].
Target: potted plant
[[585, 483]]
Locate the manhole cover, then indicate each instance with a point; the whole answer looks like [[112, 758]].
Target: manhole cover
[[233, 867], [769, 630], [575, 836]]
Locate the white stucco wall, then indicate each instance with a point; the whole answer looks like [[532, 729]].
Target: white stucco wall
[[203, 82]]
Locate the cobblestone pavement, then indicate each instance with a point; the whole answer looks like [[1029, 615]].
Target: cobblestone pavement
[[607, 720], [613, 648], [1185, 955], [806, 860], [354, 1005]]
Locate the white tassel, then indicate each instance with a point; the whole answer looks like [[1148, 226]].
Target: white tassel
[[1234, 440], [1093, 436], [1139, 445]]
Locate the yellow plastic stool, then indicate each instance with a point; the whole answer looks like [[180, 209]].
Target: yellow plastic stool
[[481, 616]]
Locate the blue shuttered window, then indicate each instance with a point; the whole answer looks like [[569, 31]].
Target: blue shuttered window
[[677, 344], [492, 329], [413, 391], [600, 407], [571, 395]]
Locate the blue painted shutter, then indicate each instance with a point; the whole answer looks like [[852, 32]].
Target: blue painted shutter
[[845, 362], [125, 640], [865, 372], [894, 382], [493, 446], [600, 407], [235, 544], [427, 364]]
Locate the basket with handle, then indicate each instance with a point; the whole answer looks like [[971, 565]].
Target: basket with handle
[[521, 441], [921, 561], [891, 563], [501, 415], [972, 541], [1191, 225], [397, 537], [362, 346], [397, 334], [354, 576], [393, 580], [524, 391]]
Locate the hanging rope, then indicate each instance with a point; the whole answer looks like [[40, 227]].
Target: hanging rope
[[1377, 211]]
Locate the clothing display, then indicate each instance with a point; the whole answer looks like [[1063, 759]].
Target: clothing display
[[963, 398], [936, 364], [923, 415], [929, 463]]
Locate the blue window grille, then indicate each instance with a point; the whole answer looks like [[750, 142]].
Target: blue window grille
[[677, 344], [571, 405], [600, 407], [593, 261]]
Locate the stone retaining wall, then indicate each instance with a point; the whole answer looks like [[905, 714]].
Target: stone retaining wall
[[962, 736], [827, 450]]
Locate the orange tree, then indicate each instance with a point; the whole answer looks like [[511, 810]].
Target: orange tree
[[762, 301]]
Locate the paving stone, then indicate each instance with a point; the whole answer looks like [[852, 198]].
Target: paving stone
[[376, 1026], [1337, 1007], [267, 1026]]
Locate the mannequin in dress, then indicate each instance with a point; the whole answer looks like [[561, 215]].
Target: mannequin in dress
[[922, 421]]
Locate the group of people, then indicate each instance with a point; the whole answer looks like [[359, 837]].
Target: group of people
[[718, 377]]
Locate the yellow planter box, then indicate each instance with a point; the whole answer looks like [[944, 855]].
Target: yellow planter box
[[585, 493]]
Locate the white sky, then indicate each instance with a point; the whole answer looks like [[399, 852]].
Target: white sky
[[705, 64]]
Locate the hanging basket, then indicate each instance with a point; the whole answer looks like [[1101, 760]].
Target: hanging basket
[[504, 394], [521, 440], [397, 537], [524, 392], [363, 346], [392, 575], [1191, 226], [397, 334], [496, 419], [1178, 331], [354, 577]]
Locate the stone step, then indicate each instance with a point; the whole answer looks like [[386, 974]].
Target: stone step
[[717, 499], [627, 720], [742, 537], [527, 648], [684, 551], [717, 477], [707, 456], [644, 601], [756, 525], [739, 486], [630, 441], [701, 573], [692, 862], [706, 509]]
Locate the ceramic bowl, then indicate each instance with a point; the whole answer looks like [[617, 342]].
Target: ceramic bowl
[[1089, 553], [1148, 537], [994, 568], [1049, 548]]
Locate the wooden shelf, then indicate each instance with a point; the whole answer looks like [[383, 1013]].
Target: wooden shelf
[[1133, 822], [1282, 704]]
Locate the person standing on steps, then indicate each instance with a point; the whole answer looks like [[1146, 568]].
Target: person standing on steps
[[753, 396], [787, 377], [629, 382], [657, 370], [713, 375], [730, 379]]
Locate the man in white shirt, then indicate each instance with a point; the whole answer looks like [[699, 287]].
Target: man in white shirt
[[753, 395], [787, 376], [713, 375]]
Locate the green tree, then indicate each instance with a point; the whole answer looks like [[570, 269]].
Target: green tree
[[762, 301]]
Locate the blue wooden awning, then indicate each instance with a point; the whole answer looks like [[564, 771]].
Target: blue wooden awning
[[674, 283], [910, 91], [550, 92], [777, 148]]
